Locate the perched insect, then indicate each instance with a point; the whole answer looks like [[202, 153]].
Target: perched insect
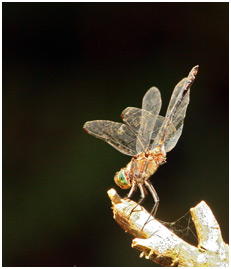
[[146, 136]]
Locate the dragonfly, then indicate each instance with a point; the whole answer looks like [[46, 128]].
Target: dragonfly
[[146, 136]]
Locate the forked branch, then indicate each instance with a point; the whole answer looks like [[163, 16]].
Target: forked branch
[[162, 246]]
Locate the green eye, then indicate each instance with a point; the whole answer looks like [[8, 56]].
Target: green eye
[[122, 178]]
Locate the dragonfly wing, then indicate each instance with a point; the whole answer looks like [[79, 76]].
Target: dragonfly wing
[[172, 137], [132, 117], [171, 132], [178, 122], [151, 103], [116, 134], [175, 96], [177, 110], [178, 119]]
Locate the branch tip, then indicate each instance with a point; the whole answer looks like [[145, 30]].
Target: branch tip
[[160, 245]]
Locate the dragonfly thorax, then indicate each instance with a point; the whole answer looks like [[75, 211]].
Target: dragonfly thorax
[[146, 164], [141, 167]]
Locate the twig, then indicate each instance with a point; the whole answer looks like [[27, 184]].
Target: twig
[[162, 246]]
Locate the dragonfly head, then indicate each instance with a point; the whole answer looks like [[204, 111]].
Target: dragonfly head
[[122, 179]]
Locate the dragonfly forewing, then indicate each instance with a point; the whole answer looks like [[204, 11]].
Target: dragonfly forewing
[[178, 122], [171, 132], [171, 136], [118, 135], [176, 111], [172, 139], [175, 96], [132, 116], [151, 103]]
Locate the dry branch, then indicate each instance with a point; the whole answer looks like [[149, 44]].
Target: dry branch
[[162, 246]]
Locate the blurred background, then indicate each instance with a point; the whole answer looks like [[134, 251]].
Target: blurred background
[[67, 63]]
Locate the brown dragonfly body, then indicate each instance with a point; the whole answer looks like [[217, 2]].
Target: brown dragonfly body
[[146, 136]]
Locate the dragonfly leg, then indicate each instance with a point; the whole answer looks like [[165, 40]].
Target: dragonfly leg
[[134, 184], [143, 195], [132, 190], [154, 195], [155, 198]]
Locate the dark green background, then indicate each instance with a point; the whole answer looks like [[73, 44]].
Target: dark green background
[[66, 63]]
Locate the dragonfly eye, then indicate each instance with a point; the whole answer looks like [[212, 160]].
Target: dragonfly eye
[[122, 180]]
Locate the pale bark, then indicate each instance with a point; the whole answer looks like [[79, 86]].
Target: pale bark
[[162, 246]]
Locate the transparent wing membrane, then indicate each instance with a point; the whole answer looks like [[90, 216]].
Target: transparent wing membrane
[[176, 112], [172, 136], [116, 134], [152, 104], [145, 129], [132, 117], [170, 133]]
